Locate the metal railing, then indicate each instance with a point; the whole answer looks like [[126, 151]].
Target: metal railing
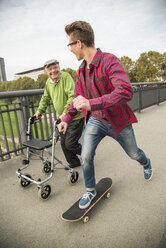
[[14, 117], [147, 94]]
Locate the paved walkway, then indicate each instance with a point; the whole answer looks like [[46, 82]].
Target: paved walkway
[[134, 216]]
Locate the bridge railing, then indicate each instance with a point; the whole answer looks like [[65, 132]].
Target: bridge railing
[[15, 109], [147, 94], [17, 106]]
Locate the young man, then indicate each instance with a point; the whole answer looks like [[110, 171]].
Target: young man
[[102, 91], [60, 90]]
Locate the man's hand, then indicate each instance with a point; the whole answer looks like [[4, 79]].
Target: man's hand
[[81, 102], [37, 115], [61, 116], [62, 127]]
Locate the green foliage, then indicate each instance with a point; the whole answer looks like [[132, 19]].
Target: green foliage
[[148, 66], [163, 68], [24, 83], [72, 72], [130, 67], [6, 121], [41, 81], [5, 85]]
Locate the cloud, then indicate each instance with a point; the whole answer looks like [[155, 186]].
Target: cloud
[[33, 31]]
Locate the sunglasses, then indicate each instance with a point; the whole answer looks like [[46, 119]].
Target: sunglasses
[[74, 42]]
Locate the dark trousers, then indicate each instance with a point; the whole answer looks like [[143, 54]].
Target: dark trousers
[[69, 141]]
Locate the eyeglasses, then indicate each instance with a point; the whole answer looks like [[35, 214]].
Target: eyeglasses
[[72, 43]]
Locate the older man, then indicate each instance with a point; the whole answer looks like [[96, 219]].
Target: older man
[[60, 90]]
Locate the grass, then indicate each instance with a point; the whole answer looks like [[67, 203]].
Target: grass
[[6, 123], [10, 144]]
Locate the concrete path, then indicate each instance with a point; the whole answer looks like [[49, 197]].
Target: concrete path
[[134, 216]]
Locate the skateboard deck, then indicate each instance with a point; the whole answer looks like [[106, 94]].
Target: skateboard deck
[[74, 213]]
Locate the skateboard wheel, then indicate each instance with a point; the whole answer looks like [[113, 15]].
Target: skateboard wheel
[[108, 195], [24, 182], [85, 219], [47, 167], [44, 192], [73, 177]]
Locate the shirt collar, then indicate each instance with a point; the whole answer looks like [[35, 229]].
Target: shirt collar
[[95, 61], [50, 80]]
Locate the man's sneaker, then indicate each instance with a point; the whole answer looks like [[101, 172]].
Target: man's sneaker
[[86, 199], [148, 171]]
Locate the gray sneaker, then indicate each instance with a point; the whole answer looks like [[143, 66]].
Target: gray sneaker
[[148, 173], [85, 201]]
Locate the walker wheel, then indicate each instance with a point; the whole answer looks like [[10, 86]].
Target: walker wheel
[[47, 167], [108, 195], [24, 182], [73, 177], [44, 192], [85, 219]]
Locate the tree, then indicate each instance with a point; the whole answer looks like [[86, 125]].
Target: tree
[[148, 66], [25, 83], [41, 81], [130, 67], [72, 72], [5, 86], [162, 73]]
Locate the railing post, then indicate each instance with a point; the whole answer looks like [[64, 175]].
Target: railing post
[[158, 95], [139, 99], [1, 155], [22, 121]]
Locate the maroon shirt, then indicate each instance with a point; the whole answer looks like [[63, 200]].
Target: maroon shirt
[[99, 114], [111, 91]]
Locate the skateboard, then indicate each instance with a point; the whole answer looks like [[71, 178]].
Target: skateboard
[[74, 213]]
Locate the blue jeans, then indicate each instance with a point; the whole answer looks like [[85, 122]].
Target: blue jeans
[[95, 131]]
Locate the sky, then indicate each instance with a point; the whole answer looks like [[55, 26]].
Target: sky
[[32, 31]]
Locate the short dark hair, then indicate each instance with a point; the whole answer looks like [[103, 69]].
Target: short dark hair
[[80, 30]]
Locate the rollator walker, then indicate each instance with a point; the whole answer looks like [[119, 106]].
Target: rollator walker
[[33, 146]]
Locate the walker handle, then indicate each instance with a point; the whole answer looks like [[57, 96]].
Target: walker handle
[[58, 121], [33, 119]]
